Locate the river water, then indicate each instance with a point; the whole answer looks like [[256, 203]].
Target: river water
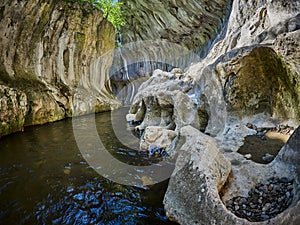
[[44, 179]]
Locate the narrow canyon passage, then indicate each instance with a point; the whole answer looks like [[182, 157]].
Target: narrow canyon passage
[[210, 135]]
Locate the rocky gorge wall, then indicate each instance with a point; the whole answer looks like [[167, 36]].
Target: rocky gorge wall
[[173, 26], [192, 24], [250, 76], [54, 62]]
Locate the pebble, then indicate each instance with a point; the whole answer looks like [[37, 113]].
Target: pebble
[[268, 157], [264, 201], [251, 126], [248, 156], [133, 122]]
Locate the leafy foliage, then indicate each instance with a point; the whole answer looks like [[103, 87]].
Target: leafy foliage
[[112, 10]]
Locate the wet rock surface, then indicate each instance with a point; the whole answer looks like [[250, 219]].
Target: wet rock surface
[[264, 201], [260, 151], [264, 146]]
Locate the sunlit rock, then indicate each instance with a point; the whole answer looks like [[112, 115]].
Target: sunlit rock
[[166, 100], [200, 173]]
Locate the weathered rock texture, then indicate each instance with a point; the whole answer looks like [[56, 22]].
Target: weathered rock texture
[[200, 173], [164, 100], [169, 30], [203, 167], [251, 75], [157, 137], [192, 24], [13, 105], [53, 51]]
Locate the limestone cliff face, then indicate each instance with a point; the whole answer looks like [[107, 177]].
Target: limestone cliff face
[[169, 29], [53, 51], [192, 24]]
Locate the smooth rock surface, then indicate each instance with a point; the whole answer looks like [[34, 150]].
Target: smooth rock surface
[[201, 171], [59, 54], [157, 137], [192, 24], [290, 153]]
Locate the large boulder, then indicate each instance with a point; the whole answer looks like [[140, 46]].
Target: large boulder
[[206, 175], [200, 173], [167, 100]]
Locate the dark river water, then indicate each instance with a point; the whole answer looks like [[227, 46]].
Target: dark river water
[[44, 179]]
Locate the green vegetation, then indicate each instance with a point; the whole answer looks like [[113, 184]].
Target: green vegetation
[[111, 9]]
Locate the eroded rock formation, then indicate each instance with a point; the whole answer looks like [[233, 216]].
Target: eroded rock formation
[[250, 76], [192, 24], [169, 29], [59, 55]]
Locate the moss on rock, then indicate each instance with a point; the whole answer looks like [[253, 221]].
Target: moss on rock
[[13, 109]]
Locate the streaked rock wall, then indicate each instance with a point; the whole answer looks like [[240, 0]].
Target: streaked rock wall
[[53, 51]]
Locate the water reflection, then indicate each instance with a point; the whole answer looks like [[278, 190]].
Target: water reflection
[[45, 180]]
